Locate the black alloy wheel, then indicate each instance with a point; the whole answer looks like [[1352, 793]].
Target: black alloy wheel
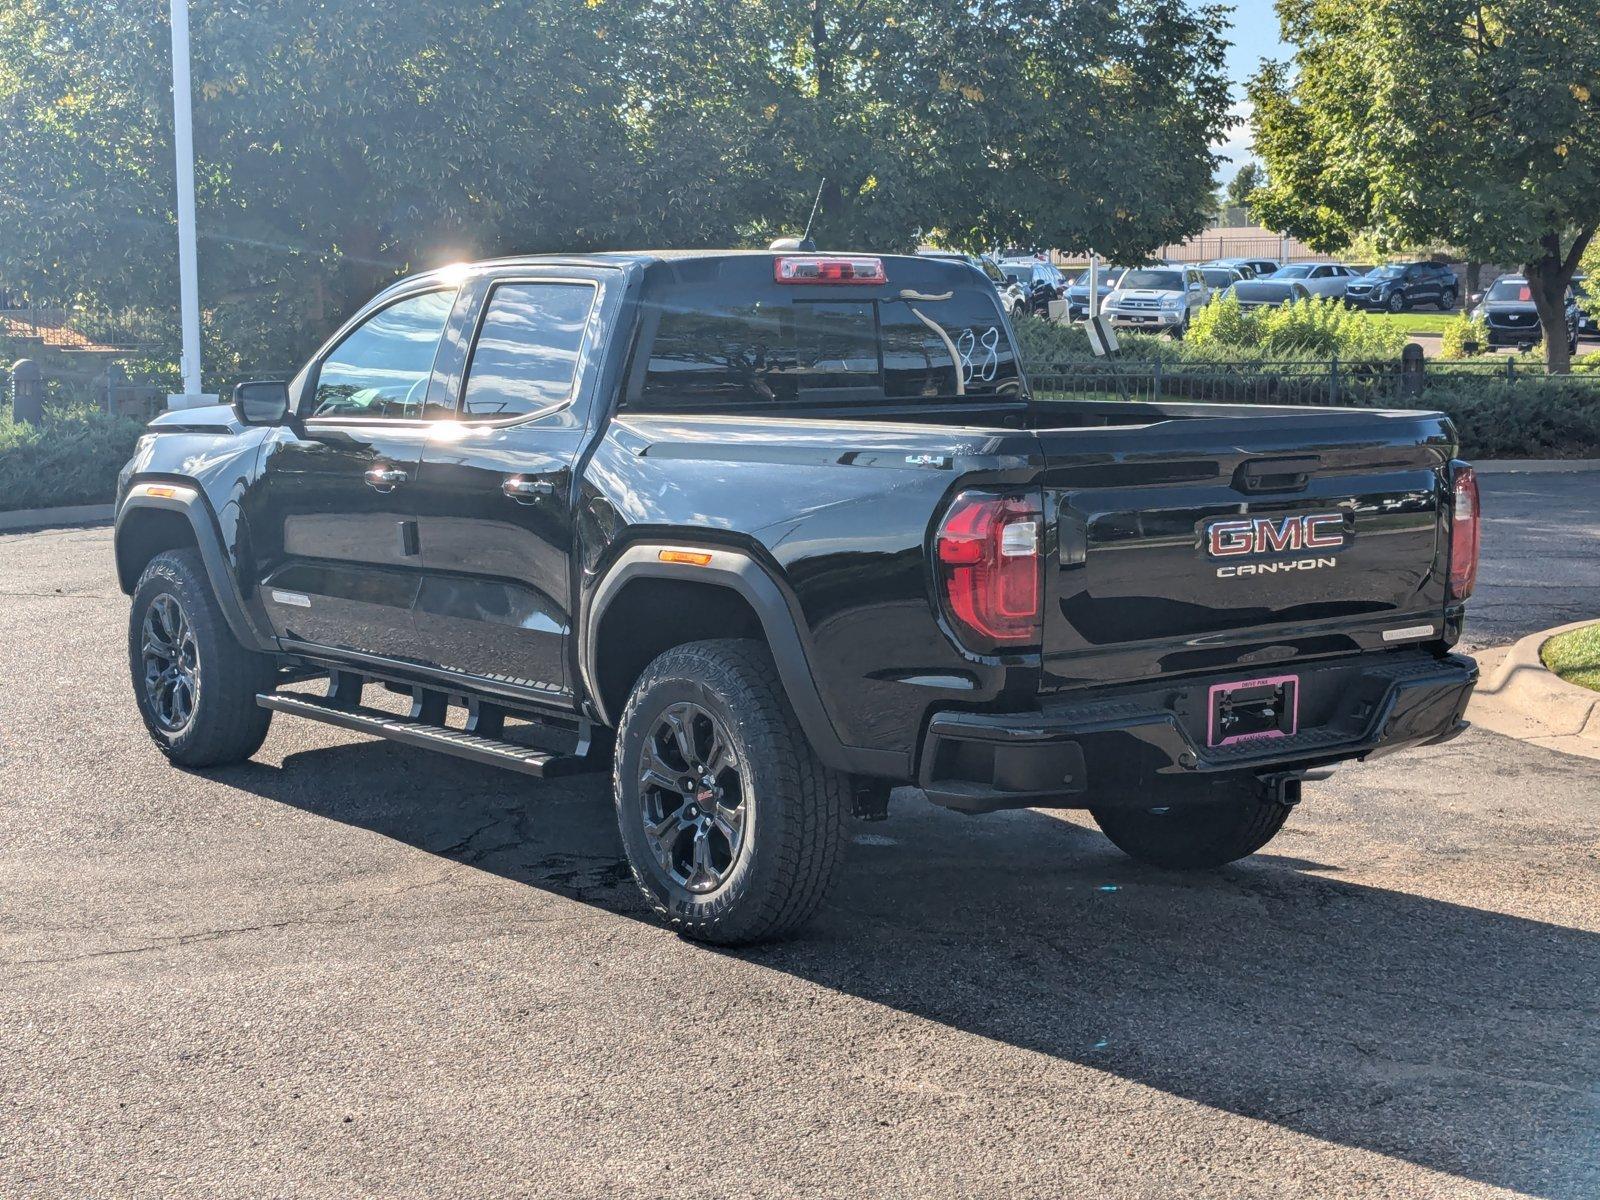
[[171, 659], [195, 684], [692, 798]]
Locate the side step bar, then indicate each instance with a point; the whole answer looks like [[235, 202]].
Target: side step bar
[[429, 736]]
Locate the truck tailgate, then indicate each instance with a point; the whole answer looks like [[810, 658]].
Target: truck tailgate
[[1205, 543]]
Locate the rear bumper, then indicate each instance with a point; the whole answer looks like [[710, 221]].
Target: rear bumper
[[1139, 742]]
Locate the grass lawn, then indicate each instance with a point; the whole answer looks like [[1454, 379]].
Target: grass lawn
[[1418, 322], [1575, 656]]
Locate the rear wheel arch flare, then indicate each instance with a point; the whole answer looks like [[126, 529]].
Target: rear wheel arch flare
[[777, 625]]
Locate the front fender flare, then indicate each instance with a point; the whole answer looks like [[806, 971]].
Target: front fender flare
[[741, 573], [187, 500]]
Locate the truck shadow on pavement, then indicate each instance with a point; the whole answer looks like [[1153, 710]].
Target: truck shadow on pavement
[[1462, 1040]]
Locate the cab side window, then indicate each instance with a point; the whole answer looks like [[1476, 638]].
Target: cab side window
[[526, 357], [380, 370]]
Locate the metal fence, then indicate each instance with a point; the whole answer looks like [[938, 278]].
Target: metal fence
[[31, 390], [76, 329], [1394, 382]]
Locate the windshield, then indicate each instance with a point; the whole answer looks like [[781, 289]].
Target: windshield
[[1108, 277], [1218, 277], [1510, 289], [1292, 273], [1162, 281], [727, 336], [1385, 272]]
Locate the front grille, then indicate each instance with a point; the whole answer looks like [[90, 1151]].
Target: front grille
[[1510, 320], [1141, 304]]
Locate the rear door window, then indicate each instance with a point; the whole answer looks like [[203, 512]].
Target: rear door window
[[526, 356]]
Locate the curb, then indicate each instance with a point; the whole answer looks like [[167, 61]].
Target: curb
[[1525, 699], [53, 518], [1535, 466]]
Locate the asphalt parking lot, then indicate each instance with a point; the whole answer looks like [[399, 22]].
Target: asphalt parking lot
[[350, 969]]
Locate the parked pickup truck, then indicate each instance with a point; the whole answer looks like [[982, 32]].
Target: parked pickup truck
[[766, 535]]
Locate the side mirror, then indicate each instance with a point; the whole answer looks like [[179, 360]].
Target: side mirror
[[1472, 300], [261, 402]]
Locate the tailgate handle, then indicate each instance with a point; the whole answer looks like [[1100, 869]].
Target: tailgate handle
[[1276, 474]]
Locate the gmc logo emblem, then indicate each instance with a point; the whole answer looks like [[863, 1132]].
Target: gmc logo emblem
[[1240, 536]]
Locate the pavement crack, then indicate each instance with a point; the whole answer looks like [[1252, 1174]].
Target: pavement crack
[[323, 916]]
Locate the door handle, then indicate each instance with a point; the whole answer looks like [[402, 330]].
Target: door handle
[[524, 490], [384, 477]]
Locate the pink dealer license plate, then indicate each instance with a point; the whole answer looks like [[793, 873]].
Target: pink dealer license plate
[[1252, 709]]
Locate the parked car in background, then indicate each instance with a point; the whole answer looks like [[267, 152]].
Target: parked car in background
[[1078, 292], [1013, 296], [1508, 310], [1320, 279], [1218, 279], [1401, 286], [1268, 293], [1042, 281], [1256, 266], [1158, 299], [1236, 264], [1587, 326]]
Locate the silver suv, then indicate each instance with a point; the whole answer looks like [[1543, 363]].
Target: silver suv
[[1163, 298]]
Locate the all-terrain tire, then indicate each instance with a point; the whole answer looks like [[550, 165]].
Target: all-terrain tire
[[224, 724], [794, 823], [1232, 821]]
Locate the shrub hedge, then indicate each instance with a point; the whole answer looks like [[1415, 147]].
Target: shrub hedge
[[71, 457], [1531, 417]]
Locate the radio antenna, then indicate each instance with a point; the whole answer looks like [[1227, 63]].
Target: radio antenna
[[815, 204]]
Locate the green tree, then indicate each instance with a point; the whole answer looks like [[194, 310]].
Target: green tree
[[340, 142], [1021, 121], [1244, 185], [1475, 123]]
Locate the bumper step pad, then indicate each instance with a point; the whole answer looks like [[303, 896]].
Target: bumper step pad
[[492, 752]]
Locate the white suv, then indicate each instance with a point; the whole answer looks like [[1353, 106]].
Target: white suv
[[1157, 298]]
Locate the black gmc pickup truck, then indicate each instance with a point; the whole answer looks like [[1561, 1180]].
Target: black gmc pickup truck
[[768, 534]]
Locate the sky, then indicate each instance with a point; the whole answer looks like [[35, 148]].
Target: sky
[[1254, 35]]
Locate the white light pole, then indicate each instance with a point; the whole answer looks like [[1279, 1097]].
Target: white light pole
[[188, 267]]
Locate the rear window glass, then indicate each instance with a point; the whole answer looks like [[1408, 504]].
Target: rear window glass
[[1511, 289], [732, 345], [1262, 290]]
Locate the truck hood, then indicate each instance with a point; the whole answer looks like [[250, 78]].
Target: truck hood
[[218, 418]]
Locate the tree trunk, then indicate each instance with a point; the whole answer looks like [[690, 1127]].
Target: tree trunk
[[1549, 291], [1548, 277]]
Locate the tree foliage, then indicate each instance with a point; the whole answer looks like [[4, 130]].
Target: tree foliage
[[1243, 186], [341, 142], [1474, 123]]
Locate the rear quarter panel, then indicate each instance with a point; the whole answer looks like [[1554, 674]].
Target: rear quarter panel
[[840, 518]]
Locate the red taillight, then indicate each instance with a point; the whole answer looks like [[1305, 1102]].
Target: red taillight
[[819, 268], [988, 560], [1465, 531]]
